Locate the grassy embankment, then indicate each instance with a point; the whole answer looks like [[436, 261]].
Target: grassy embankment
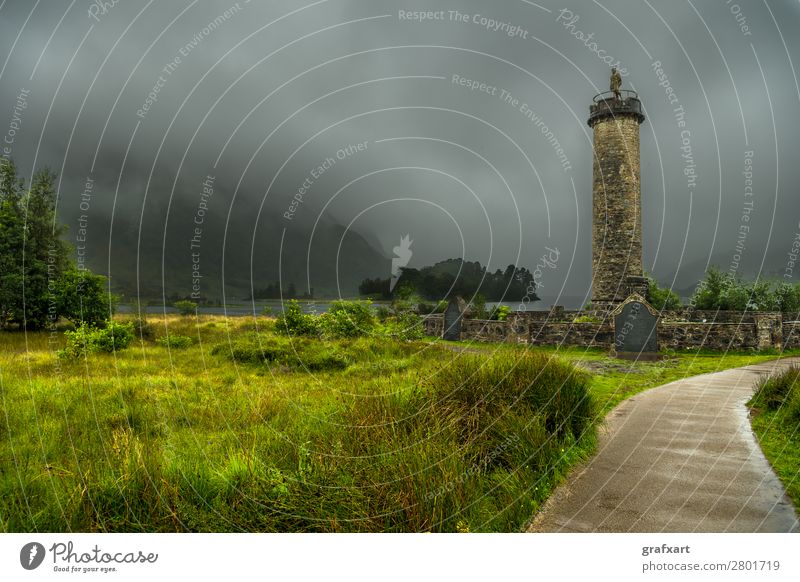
[[348, 435], [775, 418]]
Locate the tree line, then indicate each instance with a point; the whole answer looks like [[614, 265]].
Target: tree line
[[39, 282], [456, 277], [725, 292]]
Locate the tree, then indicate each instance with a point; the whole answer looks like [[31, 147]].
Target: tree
[[723, 291], [185, 307], [44, 253], [714, 291], [83, 297], [662, 298], [11, 227], [32, 254]]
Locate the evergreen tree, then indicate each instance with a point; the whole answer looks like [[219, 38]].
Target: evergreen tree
[[11, 236], [38, 282], [44, 253]]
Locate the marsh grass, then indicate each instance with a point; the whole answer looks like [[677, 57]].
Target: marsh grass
[[775, 408], [236, 432], [246, 430]]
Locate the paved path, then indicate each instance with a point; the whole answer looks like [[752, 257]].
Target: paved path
[[678, 458]]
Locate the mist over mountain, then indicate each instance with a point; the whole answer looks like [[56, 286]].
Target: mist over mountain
[[367, 125]]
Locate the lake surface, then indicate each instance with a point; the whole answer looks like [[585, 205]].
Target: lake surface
[[241, 309]]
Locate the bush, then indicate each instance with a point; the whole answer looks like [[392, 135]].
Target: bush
[[501, 313], [478, 307], [382, 313], [347, 319], [267, 311], [294, 322], [81, 296], [662, 298], [723, 291], [186, 307], [175, 341], [308, 354], [406, 326], [87, 339], [143, 329]]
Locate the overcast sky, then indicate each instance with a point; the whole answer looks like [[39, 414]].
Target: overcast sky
[[259, 94]]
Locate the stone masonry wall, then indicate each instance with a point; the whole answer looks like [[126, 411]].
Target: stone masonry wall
[[756, 332], [791, 335]]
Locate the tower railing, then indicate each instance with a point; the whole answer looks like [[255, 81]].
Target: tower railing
[[607, 105], [624, 94]]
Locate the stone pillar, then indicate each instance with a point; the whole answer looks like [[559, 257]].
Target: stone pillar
[[616, 198]]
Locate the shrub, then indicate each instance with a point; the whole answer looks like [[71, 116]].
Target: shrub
[[662, 298], [300, 354], [81, 296], [382, 313], [478, 307], [86, 339], [725, 292], [294, 322], [347, 319], [267, 311], [143, 329], [501, 313], [406, 326], [186, 307], [175, 341]]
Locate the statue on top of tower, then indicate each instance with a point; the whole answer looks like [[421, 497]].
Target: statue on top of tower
[[616, 83]]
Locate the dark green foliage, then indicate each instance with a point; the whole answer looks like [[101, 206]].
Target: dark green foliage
[[294, 322], [86, 339], [500, 313], [274, 291], [478, 307], [723, 291], [32, 254], [456, 277], [347, 319], [38, 284], [404, 326], [143, 329], [175, 341], [662, 298], [293, 353], [11, 241], [425, 308], [186, 307], [83, 296]]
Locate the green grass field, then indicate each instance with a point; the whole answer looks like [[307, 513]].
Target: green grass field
[[244, 430]]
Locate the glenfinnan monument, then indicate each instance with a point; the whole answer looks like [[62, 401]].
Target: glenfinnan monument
[[616, 197]]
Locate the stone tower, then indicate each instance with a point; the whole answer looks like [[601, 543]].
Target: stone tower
[[616, 199]]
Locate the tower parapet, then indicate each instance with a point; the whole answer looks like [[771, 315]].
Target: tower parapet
[[608, 105]]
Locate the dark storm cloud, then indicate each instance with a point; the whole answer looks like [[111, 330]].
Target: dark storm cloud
[[462, 171]]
